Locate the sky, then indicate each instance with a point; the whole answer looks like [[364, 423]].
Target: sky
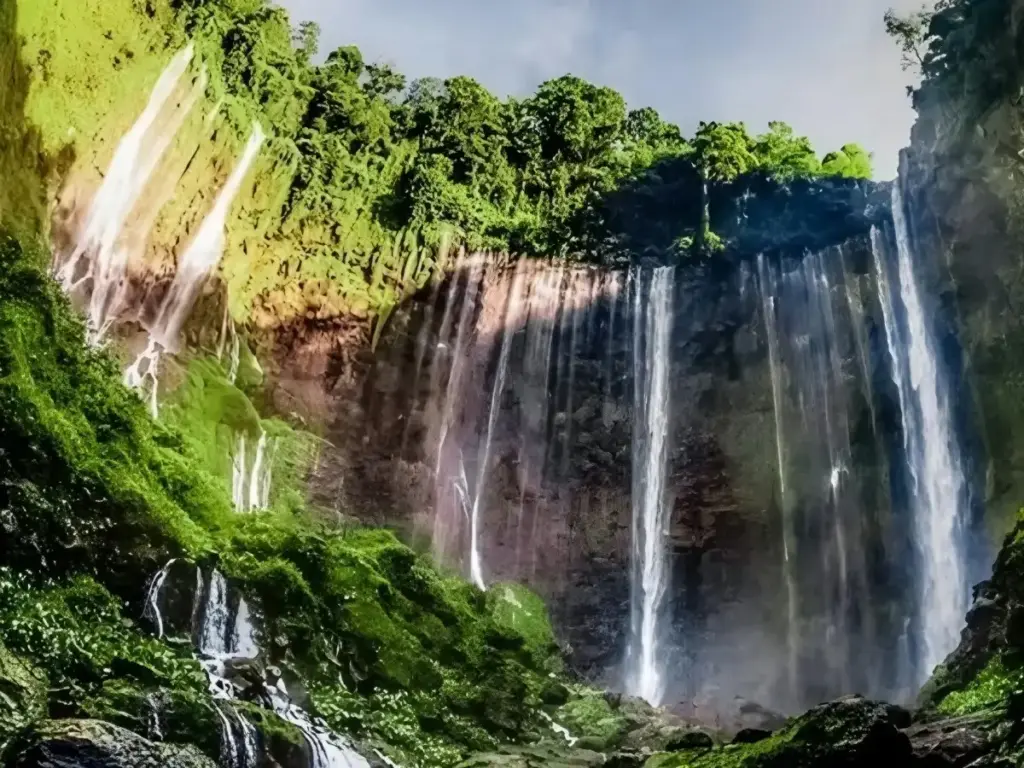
[[825, 67]]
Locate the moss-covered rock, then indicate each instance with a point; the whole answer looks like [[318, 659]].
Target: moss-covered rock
[[22, 697], [180, 715], [544, 755], [591, 720], [94, 744], [850, 732]]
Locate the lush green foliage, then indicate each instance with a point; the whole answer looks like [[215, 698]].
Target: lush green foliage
[[367, 180], [88, 483], [75, 634], [992, 687]]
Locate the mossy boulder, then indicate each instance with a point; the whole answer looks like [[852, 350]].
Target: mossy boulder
[[95, 744], [181, 715], [852, 732], [22, 697], [543, 755], [657, 730], [593, 721]]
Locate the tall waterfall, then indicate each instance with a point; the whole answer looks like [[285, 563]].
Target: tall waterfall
[[511, 325], [932, 453], [101, 253], [650, 578], [501, 382], [195, 265]]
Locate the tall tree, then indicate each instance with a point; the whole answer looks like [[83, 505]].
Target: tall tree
[[784, 155], [851, 162], [721, 152], [911, 32]]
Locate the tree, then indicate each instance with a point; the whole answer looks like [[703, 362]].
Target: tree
[[306, 39], [911, 33], [784, 155], [721, 152], [382, 81], [850, 162], [651, 138]]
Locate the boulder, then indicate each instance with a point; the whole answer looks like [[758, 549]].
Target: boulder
[[96, 744], [22, 697], [543, 755]]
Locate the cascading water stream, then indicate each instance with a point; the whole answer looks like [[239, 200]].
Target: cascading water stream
[[196, 264], [156, 585], [652, 331], [223, 637], [136, 158], [251, 484], [775, 368], [932, 453], [511, 325]]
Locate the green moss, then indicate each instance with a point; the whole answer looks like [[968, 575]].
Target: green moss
[[182, 715], [591, 719], [281, 736], [775, 751], [74, 46], [212, 414], [22, 697], [90, 483], [991, 688], [517, 610]]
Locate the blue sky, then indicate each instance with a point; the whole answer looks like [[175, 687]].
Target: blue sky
[[824, 66]]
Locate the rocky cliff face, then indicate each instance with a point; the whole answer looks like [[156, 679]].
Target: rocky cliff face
[[782, 426]]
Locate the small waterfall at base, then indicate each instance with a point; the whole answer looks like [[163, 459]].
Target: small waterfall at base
[[653, 323], [327, 750], [937, 478], [223, 636], [196, 264], [135, 160], [251, 484], [156, 585]]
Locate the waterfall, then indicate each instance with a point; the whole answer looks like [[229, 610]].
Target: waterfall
[[788, 534], [239, 474], [251, 484], [101, 238], [830, 507], [652, 330], [152, 609], [257, 481], [204, 253], [223, 636], [932, 454], [196, 264], [327, 749]]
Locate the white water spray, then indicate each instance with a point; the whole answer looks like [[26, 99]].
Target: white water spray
[[136, 158], [931, 450], [152, 609], [250, 485], [196, 264], [511, 326], [652, 331], [203, 254]]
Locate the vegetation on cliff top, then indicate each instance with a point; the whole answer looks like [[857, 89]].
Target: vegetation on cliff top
[[369, 181]]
